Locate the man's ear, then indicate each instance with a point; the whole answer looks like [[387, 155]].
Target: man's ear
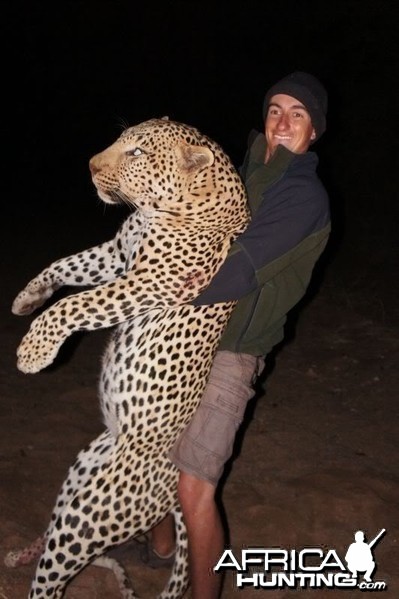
[[313, 135], [191, 158]]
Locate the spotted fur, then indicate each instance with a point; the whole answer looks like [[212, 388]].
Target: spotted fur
[[189, 205]]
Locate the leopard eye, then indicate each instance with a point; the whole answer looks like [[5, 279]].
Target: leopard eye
[[135, 152]]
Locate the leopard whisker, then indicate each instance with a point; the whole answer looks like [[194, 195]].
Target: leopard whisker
[[123, 198]]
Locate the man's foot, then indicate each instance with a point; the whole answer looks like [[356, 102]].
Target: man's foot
[[141, 552], [152, 559]]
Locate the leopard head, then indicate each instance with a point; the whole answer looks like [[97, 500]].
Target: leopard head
[[162, 167]]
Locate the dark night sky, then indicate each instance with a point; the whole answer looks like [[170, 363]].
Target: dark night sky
[[80, 70]]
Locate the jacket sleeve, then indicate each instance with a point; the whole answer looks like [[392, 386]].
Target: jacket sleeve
[[280, 224], [235, 278]]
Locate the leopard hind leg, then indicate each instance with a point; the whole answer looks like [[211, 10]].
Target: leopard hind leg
[[86, 464], [105, 512]]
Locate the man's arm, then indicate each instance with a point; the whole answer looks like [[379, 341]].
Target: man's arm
[[276, 229]]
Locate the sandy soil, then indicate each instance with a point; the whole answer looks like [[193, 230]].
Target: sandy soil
[[317, 462]]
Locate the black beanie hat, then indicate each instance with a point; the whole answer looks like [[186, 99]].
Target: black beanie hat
[[309, 91]]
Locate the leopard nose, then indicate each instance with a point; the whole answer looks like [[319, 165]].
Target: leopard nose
[[93, 168]]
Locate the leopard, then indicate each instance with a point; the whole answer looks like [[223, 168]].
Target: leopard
[[187, 205]]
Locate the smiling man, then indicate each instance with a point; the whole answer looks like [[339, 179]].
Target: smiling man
[[294, 110], [288, 123], [268, 270]]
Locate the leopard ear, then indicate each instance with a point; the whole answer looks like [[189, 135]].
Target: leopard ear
[[192, 158], [164, 118]]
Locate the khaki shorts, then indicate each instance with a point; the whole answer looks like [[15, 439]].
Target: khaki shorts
[[207, 442]]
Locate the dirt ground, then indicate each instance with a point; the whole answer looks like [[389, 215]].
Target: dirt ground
[[317, 462]]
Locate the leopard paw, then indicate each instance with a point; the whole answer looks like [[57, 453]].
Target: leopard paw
[[32, 297], [38, 348]]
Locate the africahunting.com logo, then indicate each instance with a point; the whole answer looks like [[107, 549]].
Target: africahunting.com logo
[[312, 568]]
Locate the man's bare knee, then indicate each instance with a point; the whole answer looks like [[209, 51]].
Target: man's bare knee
[[194, 493]]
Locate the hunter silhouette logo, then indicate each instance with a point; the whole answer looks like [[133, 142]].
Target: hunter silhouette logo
[[359, 556], [308, 568]]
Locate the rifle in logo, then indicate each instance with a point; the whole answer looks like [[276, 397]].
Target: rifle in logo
[[377, 538]]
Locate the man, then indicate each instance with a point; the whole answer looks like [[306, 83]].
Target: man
[[268, 270], [360, 558]]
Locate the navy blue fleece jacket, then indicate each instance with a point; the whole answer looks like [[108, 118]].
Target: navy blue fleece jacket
[[270, 265]]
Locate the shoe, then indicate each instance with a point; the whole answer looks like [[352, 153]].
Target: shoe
[[140, 551], [153, 560]]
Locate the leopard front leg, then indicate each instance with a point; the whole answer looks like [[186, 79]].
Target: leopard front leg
[[40, 345], [127, 297], [93, 266], [35, 294]]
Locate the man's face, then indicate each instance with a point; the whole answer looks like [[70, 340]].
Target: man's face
[[288, 123]]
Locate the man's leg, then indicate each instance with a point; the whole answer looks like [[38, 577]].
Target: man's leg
[[368, 573], [205, 534]]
